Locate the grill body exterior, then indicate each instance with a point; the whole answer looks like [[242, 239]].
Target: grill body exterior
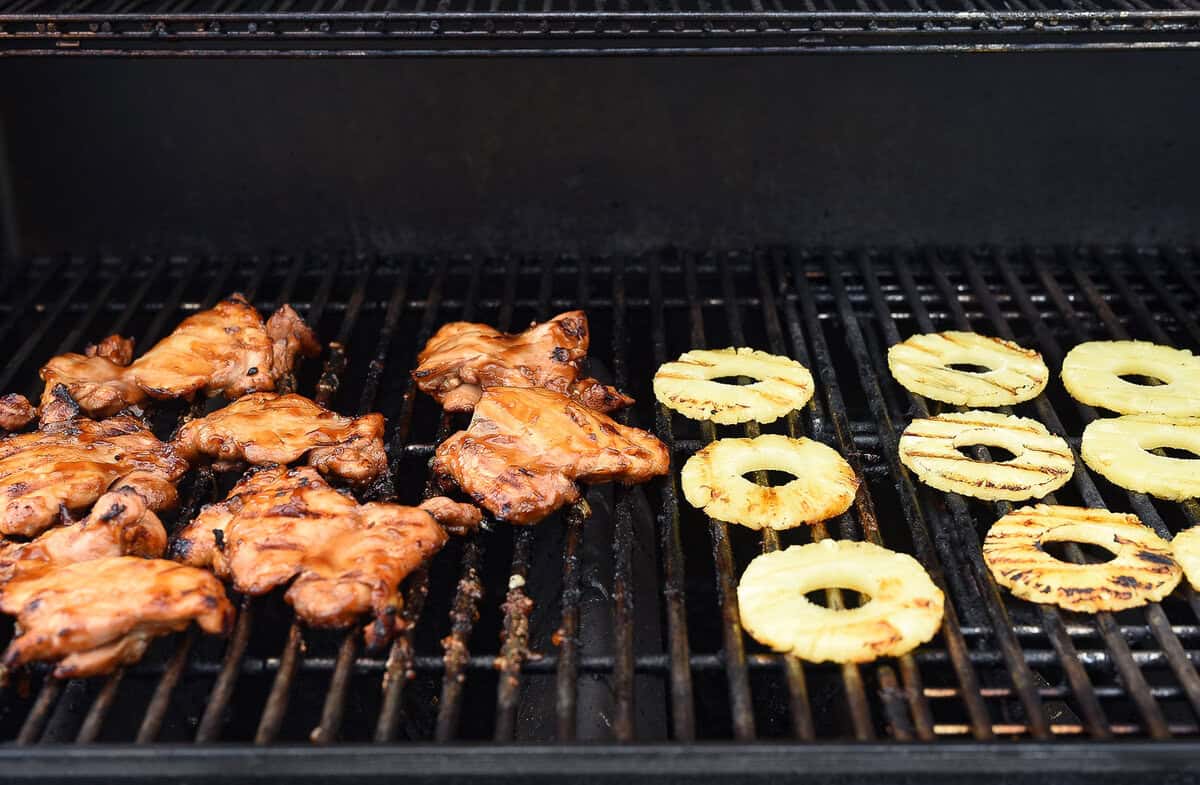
[[629, 663]]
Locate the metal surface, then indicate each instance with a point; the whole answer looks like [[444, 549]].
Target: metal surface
[[617, 620], [397, 27]]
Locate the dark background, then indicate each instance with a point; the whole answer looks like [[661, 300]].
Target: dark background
[[597, 155]]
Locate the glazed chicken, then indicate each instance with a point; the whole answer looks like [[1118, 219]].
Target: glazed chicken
[[67, 464], [463, 358], [226, 349], [265, 428], [342, 558], [120, 524], [93, 616], [15, 412], [526, 448]]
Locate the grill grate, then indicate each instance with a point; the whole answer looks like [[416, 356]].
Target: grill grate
[[458, 27], [624, 626]]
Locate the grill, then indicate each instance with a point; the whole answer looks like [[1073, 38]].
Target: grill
[[457, 27], [623, 627]]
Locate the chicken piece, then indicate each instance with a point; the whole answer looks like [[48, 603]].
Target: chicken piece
[[341, 557], [71, 461], [265, 428], [463, 358], [96, 615], [526, 448], [226, 349], [96, 380], [120, 524], [15, 412]]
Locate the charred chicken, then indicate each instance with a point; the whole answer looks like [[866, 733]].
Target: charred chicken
[[226, 349], [342, 558], [266, 428], [526, 448], [463, 358], [67, 464]]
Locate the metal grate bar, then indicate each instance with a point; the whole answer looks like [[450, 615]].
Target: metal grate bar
[[683, 719], [722, 552], [622, 549]]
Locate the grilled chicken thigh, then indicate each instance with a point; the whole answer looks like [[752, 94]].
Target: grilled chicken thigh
[[463, 358], [526, 448], [266, 428], [71, 461], [15, 412], [342, 558], [226, 349], [120, 524], [95, 615]]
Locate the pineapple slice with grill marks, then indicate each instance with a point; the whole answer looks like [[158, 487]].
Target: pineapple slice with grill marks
[[923, 364], [688, 385], [1041, 462]]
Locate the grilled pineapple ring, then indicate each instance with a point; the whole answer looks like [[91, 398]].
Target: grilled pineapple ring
[[1141, 572], [824, 486], [922, 364], [687, 385], [1092, 373], [1186, 548], [1041, 462], [1119, 449], [904, 608]]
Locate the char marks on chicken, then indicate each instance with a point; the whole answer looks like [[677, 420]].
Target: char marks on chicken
[[120, 524], [526, 448], [342, 558], [15, 412], [267, 428], [464, 358], [71, 461], [93, 616], [227, 349]]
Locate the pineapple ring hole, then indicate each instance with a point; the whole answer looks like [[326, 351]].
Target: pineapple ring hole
[[1177, 451], [733, 381], [1097, 546], [1003, 446], [1141, 379], [969, 368], [775, 477], [998, 454], [851, 598], [1092, 554]]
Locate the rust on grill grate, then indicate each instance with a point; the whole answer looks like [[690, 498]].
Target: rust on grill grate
[[616, 620]]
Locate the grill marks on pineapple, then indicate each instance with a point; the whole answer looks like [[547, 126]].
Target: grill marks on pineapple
[[922, 363], [1042, 462], [1141, 571]]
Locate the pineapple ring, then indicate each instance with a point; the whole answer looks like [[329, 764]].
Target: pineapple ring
[[824, 485], [1186, 548], [903, 609], [1041, 462], [1141, 572], [1092, 374], [922, 364], [687, 385], [1119, 448]]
